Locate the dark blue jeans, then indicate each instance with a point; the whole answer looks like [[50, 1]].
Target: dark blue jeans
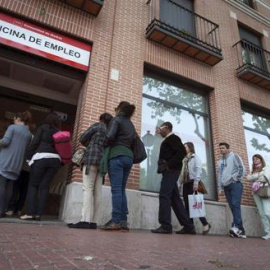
[[233, 193], [119, 169]]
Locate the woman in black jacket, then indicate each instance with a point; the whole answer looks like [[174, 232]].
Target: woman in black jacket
[[120, 135], [44, 162]]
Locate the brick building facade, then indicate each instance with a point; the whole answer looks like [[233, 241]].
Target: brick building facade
[[217, 54]]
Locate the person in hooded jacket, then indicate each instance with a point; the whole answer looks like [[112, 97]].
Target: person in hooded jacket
[[230, 175]]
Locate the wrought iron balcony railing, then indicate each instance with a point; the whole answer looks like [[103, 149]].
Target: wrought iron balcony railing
[[253, 63], [247, 2], [183, 30]]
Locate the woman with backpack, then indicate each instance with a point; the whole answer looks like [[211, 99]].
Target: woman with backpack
[[44, 162], [93, 138], [13, 147]]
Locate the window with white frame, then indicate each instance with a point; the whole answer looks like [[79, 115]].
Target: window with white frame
[[188, 112]]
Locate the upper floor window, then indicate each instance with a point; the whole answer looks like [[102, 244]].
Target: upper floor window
[[182, 18], [188, 112], [252, 51]]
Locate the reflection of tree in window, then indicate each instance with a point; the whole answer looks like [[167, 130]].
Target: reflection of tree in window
[[174, 95], [259, 125], [188, 113]]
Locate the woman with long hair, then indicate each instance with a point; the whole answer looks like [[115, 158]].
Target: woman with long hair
[[44, 162], [93, 138], [260, 171], [121, 134], [190, 176], [13, 147]]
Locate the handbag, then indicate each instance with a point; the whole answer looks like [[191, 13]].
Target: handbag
[[196, 205], [264, 190], [201, 188], [139, 153], [77, 157]]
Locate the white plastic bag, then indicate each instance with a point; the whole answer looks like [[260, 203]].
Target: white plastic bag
[[196, 205]]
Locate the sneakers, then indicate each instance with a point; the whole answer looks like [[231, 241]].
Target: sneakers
[[266, 237], [27, 217], [235, 232], [9, 213], [111, 226], [242, 235]]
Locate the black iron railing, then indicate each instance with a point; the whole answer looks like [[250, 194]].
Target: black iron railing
[[247, 2], [252, 56], [185, 23]]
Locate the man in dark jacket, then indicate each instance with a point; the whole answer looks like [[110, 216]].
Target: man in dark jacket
[[172, 152]]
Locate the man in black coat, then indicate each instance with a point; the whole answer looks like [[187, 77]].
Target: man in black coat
[[172, 152]]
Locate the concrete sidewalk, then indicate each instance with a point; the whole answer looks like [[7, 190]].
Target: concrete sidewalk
[[39, 246]]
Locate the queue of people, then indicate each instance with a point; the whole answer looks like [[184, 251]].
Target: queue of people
[[109, 149]]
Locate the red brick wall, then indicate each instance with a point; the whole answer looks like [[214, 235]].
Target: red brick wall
[[118, 36]]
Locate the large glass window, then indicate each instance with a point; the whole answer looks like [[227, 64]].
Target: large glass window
[[257, 133], [188, 113]]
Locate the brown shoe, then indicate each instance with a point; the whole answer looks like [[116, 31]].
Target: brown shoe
[[124, 226], [111, 226]]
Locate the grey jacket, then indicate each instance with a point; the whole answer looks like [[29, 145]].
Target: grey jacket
[[13, 148], [230, 170]]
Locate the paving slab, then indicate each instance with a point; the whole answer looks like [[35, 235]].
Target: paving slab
[[29, 246]]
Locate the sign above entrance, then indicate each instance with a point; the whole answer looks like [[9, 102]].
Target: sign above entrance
[[43, 42]]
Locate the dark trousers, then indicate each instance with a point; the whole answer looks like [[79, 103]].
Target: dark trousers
[[169, 197], [187, 190], [41, 174], [19, 192], [6, 187]]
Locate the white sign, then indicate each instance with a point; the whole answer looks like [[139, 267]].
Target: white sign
[[34, 39]]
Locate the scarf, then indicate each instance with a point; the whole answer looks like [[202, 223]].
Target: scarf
[[183, 179]]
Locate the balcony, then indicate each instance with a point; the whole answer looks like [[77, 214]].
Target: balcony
[[90, 6], [247, 2], [184, 31], [253, 63]]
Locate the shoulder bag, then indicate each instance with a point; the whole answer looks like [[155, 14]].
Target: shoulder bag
[[139, 153], [201, 188], [264, 190], [77, 157]]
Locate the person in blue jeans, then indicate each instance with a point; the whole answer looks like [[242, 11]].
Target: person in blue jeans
[[120, 137], [230, 175]]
